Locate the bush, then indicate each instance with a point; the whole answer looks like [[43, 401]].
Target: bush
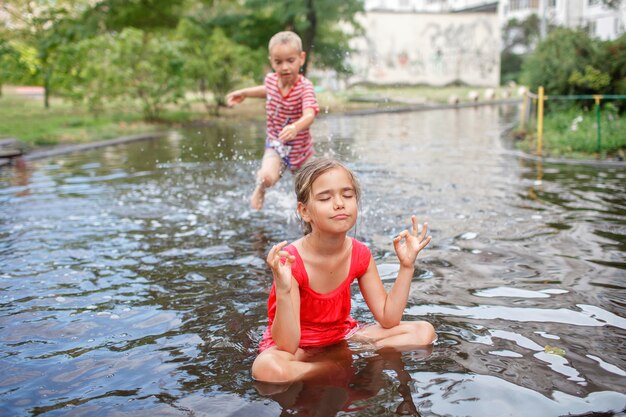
[[557, 58], [614, 58]]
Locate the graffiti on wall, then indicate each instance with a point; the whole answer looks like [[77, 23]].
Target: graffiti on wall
[[434, 49]]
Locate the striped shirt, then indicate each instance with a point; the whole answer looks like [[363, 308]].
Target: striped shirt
[[283, 110]]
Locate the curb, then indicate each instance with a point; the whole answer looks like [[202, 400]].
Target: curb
[[563, 161], [62, 150], [422, 107]]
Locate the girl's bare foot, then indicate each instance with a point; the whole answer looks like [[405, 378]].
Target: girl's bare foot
[[258, 197]]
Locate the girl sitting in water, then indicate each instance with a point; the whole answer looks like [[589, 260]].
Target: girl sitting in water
[[309, 303]]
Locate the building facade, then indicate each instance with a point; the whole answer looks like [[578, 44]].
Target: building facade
[[600, 20], [427, 48]]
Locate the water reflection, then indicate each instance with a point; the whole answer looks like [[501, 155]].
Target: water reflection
[[132, 278], [350, 385]]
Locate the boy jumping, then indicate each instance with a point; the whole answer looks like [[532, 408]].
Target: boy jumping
[[290, 107]]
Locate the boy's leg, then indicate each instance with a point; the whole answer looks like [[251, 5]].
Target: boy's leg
[[272, 168], [404, 336]]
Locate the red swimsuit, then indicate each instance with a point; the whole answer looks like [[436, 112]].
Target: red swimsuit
[[324, 318]]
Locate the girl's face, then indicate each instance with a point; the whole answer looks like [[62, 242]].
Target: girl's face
[[286, 60], [332, 206]]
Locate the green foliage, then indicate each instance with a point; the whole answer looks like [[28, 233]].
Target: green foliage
[[148, 68], [592, 80], [89, 72], [132, 66], [44, 27], [227, 65], [556, 58], [9, 63], [510, 66], [570, 62], [613, 4], [572, 132], [614, 60], [148, 15], [519, 37], [216, 63], [316, 21]]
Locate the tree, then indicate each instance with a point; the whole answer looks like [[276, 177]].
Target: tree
[[613, 59], [91, 75], [557, 58], [518, 38], [146, 15], [320, 23], [612, 4], [521, 36], [149, 69], [7, 58], [216, 63], [45, 26]]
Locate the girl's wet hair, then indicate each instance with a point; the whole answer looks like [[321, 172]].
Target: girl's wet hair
[[310, 171], [285, 38]]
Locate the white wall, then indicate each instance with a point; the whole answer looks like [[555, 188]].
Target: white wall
[[605, 23], [432, 49]]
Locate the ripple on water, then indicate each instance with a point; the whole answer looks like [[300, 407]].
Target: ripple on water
[[586, 316], [457, 394], [134, 278]]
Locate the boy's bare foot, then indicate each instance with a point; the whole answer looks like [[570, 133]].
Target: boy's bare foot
[[258, 197]]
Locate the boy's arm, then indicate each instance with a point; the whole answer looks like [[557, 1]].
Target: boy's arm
[[237, 96], [290, 131]]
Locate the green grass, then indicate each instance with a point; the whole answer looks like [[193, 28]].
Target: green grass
[[573, 133], [26, 119]]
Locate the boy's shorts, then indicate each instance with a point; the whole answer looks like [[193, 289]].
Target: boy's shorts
[[281, 149]]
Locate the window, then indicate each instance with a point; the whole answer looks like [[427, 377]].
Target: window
[[523, 4], [592, 27]]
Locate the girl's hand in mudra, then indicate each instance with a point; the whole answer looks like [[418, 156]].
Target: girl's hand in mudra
[[413, 243], [280, 262]]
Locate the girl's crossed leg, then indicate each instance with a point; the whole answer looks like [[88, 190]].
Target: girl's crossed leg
[[404, 337], [277, 366]]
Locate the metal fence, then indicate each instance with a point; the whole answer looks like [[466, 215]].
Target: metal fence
[[532, 103]]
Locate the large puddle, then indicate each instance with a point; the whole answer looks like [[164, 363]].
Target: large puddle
[[132, 278]]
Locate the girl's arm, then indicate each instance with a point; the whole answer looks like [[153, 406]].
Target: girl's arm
[[290, 131], [237, 96], [388, 308], [286, 324]]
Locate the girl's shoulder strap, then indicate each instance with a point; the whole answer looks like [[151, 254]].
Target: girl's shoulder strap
[[361, 256]]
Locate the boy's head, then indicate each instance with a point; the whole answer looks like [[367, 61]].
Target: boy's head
[[286, 56], [286, 37]]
